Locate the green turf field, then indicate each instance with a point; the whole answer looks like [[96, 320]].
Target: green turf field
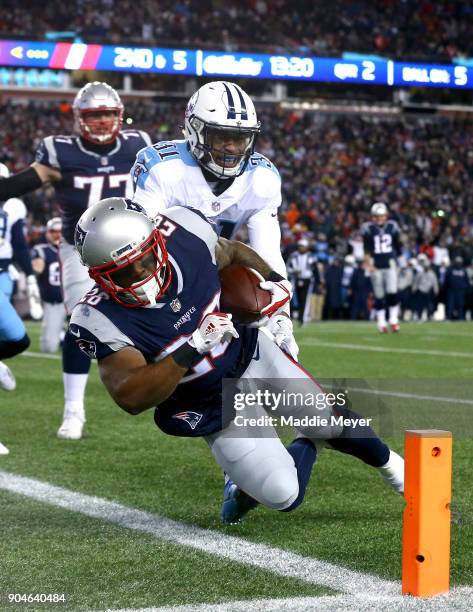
[[349, 517]]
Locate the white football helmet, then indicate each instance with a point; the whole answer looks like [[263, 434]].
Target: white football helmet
[[378, 209], [113, 234], [220, 127], [96, 98]]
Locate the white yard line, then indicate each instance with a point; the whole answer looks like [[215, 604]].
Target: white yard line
[[44, 355], [383, 349], [457, 599], [360, 592], [265, 557]]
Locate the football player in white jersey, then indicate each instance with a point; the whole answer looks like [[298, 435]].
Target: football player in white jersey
[[216, 170], [13, 246]]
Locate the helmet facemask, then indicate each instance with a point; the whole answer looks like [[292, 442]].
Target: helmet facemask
[[144, 291], [222, 150], [99, 125]]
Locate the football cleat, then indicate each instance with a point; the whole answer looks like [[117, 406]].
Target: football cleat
[[393, 472], [395, 327], [71, 428], [7, 380], [236, 504], [3, 449], [382, 329]]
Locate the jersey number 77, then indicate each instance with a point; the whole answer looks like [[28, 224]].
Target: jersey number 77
[[96, 185]]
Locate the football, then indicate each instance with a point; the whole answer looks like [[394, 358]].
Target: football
[[241, 294]]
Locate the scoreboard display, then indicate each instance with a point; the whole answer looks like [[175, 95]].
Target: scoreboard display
[[197, 62]]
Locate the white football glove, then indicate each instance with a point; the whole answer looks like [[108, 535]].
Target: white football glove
[[281, 293], [34, 299], [281, 327], [215, 328]]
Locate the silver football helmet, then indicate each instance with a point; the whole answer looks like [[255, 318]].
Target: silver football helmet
[[98, 112], [220, 127], [112, 235], [379, 209]]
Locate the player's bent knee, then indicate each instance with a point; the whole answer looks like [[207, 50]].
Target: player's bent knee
[[10, 348], [280, 488]]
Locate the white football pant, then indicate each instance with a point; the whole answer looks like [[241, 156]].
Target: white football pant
[[262, 467]]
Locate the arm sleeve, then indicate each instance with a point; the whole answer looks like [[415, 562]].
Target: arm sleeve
[[19, 184], [21, 252], [264, 235], [148, 189]]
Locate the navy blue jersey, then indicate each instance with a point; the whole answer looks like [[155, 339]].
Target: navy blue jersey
[[102, 326], [87, 176], [49, 281], [381, 242]]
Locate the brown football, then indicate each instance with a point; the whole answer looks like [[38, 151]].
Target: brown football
[[241, 294]]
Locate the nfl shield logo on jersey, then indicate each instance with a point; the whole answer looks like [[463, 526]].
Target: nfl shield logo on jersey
[[176, 305], [190, 417], [216, 206]]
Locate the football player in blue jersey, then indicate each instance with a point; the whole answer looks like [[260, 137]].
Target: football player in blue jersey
[[152, 322], [216, 170], [45, 260], [381, 239], [13, 247], [83, 168]]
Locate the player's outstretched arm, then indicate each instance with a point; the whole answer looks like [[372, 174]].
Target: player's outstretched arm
[[27, 180], [136, 385]]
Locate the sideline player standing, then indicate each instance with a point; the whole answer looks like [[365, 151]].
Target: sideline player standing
[[83, 168], [381, 239], [155, 329], [216, 170], [45, 262]]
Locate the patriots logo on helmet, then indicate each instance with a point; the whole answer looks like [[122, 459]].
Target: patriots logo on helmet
[[191, 418], [134, 206], [79, 236]]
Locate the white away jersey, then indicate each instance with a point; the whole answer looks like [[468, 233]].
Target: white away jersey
[[166, 174], [12, 211]]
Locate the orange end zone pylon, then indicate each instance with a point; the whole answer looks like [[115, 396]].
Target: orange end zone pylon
[[426, 525]]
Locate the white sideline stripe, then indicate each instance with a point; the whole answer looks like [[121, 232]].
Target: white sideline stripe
[[275, 560], [457, 599], [430, 398], [382, 349]]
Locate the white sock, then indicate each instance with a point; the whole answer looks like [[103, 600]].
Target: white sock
[[74, 391], [381, 317], [394, 314]]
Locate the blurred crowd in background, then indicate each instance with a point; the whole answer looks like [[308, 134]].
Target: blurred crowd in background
[[333, 167], [406, 29]]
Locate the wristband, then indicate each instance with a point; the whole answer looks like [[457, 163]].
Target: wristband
[[274, 277], [186, 356]]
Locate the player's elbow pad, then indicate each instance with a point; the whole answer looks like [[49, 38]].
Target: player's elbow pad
[[18, 184]]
